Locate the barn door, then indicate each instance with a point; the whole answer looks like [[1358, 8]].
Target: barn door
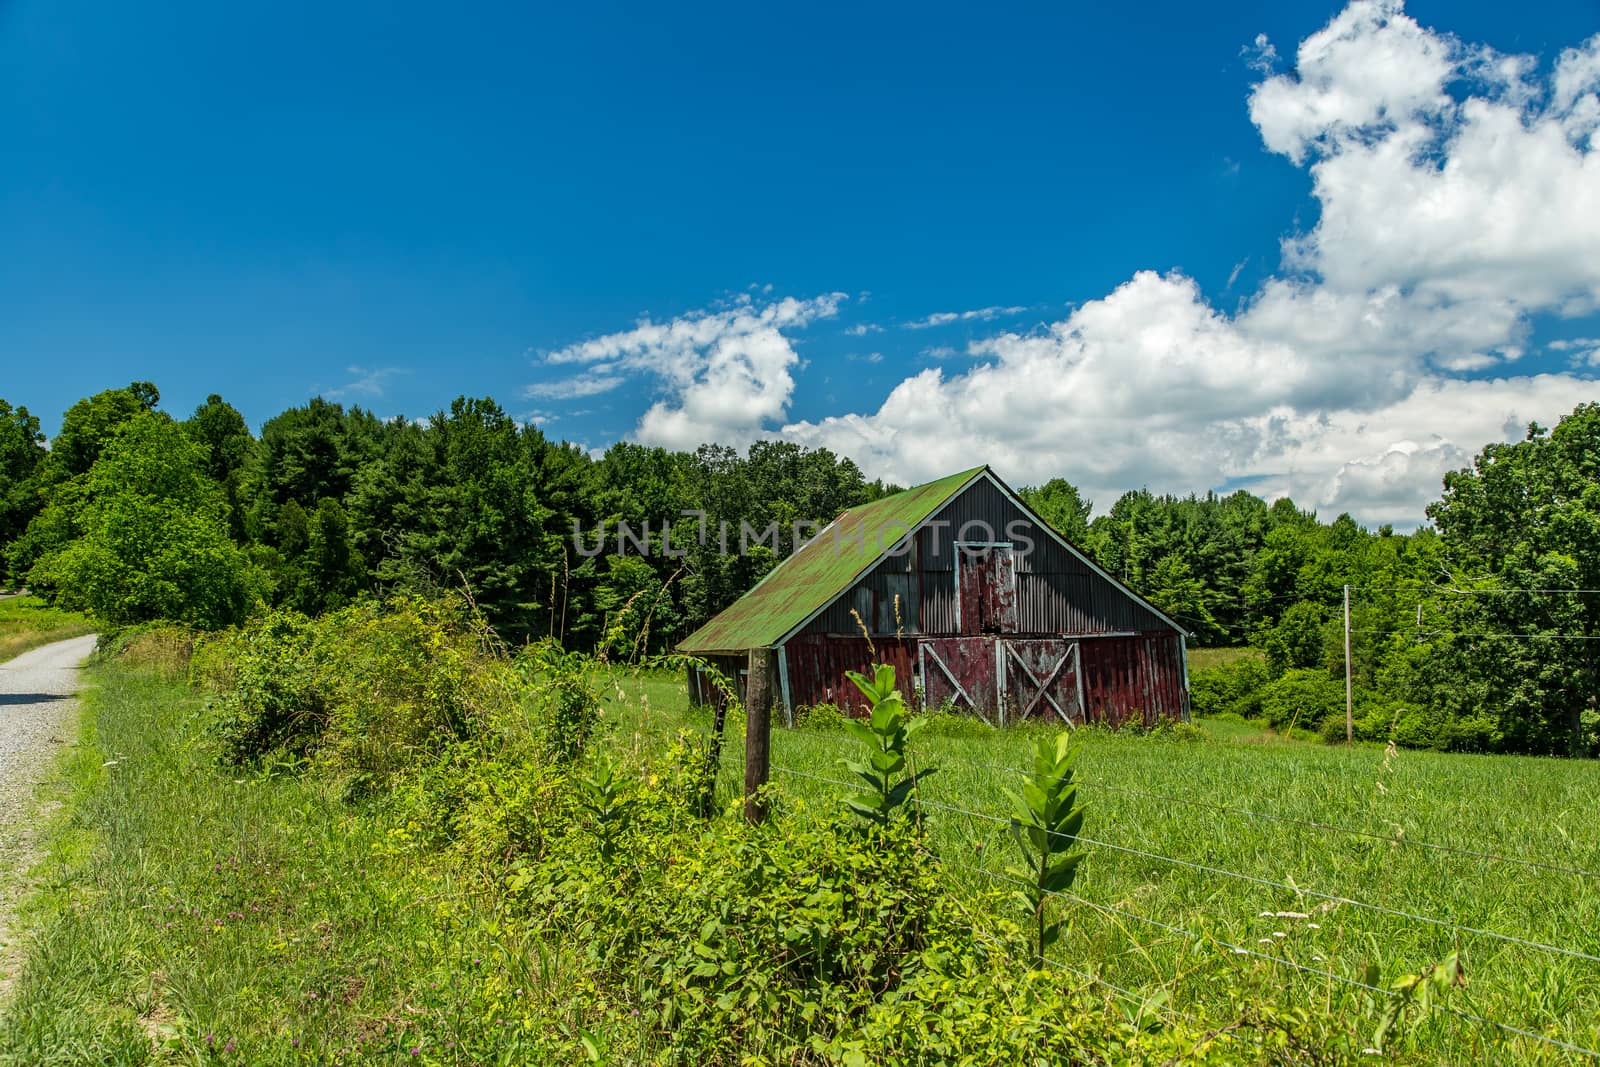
[[959, 672], [986, 588], [1041, 680]]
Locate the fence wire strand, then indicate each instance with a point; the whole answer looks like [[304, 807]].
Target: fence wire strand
[[1240, 950], [1534, 864]]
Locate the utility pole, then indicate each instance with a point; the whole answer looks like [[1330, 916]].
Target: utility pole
[[1349, 700]]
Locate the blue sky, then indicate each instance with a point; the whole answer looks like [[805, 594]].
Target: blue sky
[[391, 207]]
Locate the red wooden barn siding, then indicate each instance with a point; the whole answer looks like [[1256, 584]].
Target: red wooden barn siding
[[817, 666], [1123, 677], [1134, 677]]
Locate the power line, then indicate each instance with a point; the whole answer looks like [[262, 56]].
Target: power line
[[1509, 636], [1465, 592]]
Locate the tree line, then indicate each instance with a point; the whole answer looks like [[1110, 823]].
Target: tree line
[[1467, 633]]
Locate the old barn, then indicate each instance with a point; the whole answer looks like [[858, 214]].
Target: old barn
[[972, 597]]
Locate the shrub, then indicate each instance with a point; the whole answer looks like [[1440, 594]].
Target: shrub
[[1302, 697], [736, 939], [370, 690], [821, 717], [273, 695], [1232, 688], [1472, 733], [567, 698]]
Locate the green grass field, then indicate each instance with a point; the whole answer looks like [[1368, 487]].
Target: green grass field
[[28, 622], [188, 915], [1147, 923], [1201, 658]]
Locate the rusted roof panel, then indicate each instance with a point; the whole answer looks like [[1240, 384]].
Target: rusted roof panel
[[825, 567]]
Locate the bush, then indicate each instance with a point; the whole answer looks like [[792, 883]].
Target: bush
[[370, 691], [274, 696], [1232, 688], [820, 717], [1302, 697], [810, 940], [568, 699], [1473, 733]]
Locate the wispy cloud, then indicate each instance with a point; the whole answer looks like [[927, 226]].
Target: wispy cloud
[[1260, 56], [1585, 350], [945, 318], [865, 357], [368, 382], [591, 383], [861, 329]]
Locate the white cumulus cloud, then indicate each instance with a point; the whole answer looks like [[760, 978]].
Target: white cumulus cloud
[[725, 374], [1459, 196]]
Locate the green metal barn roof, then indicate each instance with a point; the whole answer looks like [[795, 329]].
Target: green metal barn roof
[[828, 565]]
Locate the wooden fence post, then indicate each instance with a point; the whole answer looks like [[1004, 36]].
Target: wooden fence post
[[757, 731], [1349, 700]]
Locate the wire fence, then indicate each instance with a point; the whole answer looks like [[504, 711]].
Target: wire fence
[[1460, 932]]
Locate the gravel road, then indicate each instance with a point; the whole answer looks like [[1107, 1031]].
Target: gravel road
[[36, 719], [35, 706]]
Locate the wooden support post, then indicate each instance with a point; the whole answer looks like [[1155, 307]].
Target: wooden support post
[[758, 731], [1349, 702]]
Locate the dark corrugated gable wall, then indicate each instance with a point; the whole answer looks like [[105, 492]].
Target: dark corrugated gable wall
[[1057, 593]]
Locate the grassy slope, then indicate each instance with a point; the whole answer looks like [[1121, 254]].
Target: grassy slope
[[181, 903], [27, 622], [1201, 658], [1531, 808], [190, 917]]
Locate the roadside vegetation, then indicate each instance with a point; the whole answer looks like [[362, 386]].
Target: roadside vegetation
[[28, 622], [383, 836]]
